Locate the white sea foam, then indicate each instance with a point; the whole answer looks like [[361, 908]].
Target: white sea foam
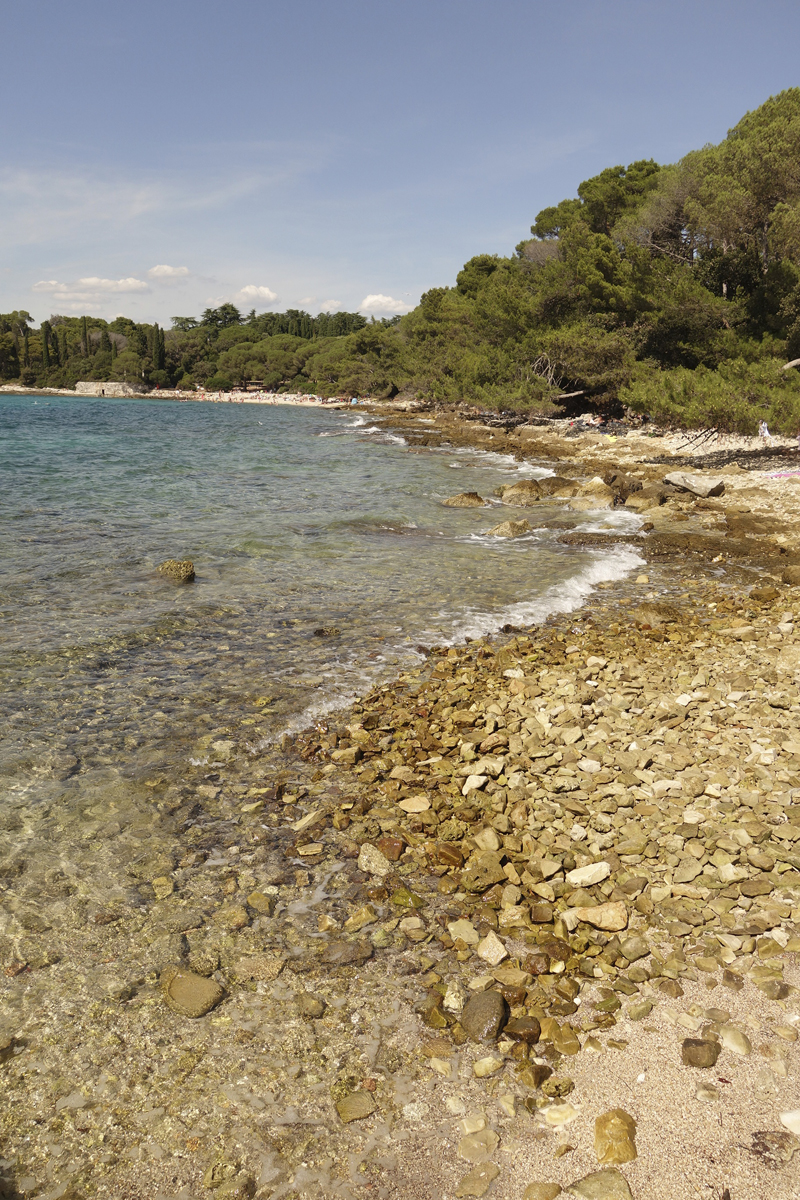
[[563, 597]]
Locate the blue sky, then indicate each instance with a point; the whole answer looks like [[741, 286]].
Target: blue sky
[[158, 158]]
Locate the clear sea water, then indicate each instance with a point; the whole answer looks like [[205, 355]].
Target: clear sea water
[[296, 519]]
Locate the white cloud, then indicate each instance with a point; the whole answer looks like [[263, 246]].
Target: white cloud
[[307, 299], [89, 289], [376, 304], [330, 306], [253, 292], [163, 272]]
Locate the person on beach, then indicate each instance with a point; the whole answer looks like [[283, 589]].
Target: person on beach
[[764, 433]]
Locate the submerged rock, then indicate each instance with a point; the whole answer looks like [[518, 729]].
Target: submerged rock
[[465, 500], [188, 994], [509, 529], [178, 570], [355, 1107]]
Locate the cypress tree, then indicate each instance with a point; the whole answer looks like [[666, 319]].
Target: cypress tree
[[26, 360], [46, 345], [84, 338], [113, 349]]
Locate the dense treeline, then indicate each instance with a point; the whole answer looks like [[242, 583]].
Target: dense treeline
[[219, 350], [674, 290]]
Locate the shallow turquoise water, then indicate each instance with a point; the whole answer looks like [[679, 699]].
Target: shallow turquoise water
[[295, 519]]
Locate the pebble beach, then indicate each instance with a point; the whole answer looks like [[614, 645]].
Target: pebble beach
[[522, 921]]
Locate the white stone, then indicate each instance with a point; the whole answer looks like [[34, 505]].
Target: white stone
[[487, 1066], [587, 876], [487, 839], [733, 1039], [474, 783], [560, 1114], [590, 766], [371, 861], [465, 930], [791, 1121], [414, 804], [491, 949]]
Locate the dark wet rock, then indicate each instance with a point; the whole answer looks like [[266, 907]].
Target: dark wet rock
[[697, 485], [484, 1015], [327, 631], [698, 1053], [178, 571], [188, 994], [523, 1029], [465, 500]]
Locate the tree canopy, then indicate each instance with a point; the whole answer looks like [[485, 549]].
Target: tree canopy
[[673, 289]]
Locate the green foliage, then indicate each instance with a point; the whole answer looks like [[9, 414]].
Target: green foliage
[[674, 289], [734, 397]]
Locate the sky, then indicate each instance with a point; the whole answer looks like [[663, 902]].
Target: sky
[[160, 158]]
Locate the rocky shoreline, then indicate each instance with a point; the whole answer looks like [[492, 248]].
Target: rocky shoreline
[[525, 919]]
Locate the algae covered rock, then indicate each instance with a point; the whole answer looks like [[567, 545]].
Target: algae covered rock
[[177, 570]]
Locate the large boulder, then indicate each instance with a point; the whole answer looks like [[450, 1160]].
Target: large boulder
[[699, 485], [559, 486], [465, 500], [509, 529], [592, 495], [523, 494]]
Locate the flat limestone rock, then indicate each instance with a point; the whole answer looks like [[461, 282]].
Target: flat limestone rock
[[609, 1184], [479, 1180], [699, 485], [587, 876], [188, 994], [465, 500], [355, 1107], [611, 917], [178, 570], [615, 1138]]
